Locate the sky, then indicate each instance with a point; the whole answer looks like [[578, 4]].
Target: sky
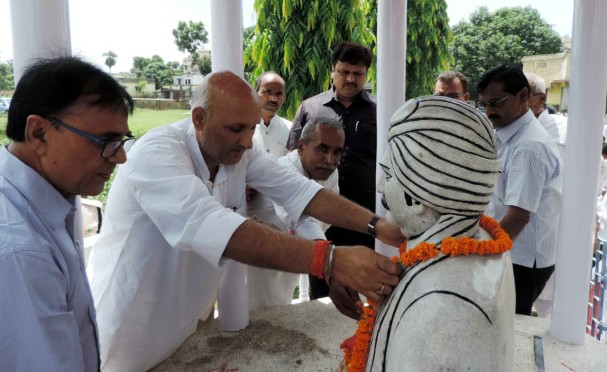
[[143, 28]]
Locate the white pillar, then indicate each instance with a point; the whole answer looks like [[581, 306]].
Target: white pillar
[[226, 54], [226, 36], [582, 156], [391, 54], [41, 28]]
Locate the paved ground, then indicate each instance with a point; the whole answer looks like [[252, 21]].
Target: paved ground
[[306, 337]]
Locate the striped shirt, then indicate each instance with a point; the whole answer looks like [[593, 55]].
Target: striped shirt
[[530, 179]]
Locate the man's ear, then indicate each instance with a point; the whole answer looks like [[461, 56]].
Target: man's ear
[[36, 133], [300, 145], [199, 117], [466, 96]]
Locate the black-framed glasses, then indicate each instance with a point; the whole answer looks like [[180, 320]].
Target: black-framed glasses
[[494, 103], [449, 95], [109, 148]]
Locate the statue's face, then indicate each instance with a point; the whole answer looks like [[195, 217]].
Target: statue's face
[[413, 217]]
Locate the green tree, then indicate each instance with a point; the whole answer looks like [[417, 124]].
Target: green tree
[[248, 37], [153, 68], [189, 37], [295, 39], [7, 78], [110, 59], [428, 39], [504, 36], [205, 65]]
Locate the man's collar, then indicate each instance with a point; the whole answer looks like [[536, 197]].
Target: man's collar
[[331, 95], [41, 195], [505, 133]]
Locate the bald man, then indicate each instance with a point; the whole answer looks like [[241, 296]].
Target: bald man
[[175, 214]]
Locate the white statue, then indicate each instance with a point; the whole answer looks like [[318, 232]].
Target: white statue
[[447, 313]]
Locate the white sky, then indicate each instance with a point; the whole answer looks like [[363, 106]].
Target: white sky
[[143, 27]]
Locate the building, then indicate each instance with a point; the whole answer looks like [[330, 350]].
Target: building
[[556, 71]]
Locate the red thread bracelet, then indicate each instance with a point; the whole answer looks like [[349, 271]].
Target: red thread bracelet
[[321, 247]]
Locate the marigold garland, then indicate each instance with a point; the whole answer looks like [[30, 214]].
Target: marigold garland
[[356, 347]]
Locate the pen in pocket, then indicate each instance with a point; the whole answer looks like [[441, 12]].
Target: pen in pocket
[[356, 126]]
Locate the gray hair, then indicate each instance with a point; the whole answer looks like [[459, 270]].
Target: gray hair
[[310, 128], [444, 155], [536, 82], [201, 97]]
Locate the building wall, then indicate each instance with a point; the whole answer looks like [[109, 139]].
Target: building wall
[[555, 69]]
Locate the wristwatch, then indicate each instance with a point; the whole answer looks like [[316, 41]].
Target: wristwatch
[[371, 225]]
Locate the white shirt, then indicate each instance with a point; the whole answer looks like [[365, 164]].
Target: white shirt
[[531, 179], [274, 137], [155, 269], [549, 123], [272, 287]]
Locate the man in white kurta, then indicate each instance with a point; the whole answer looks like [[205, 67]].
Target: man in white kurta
[[320, 147], [174, 215]]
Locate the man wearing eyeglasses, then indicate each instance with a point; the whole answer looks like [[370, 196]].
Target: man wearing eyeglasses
[[527, 196], [48, 318], [348, 102], [453, 85], [175, 219]]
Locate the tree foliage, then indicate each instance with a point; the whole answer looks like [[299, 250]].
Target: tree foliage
[[156, 69], [295, 39], [110, 59], [428, 39], [189, 37], [504, 36], [7, 77]]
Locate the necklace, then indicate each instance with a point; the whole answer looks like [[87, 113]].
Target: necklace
[[356, 347]]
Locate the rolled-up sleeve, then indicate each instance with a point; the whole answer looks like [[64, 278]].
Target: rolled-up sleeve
[[178, 202]]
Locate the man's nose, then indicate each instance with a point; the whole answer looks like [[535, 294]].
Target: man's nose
[[119, 157], [246, 140], [350, 77]]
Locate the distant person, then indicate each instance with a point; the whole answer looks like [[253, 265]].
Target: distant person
[[317, 156], [175, 218], [273, 131], [68, 126], [537, 104], [526, 199], [348, 102], [453, 85]]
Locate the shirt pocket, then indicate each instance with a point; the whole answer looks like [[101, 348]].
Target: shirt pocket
[[365, 136]]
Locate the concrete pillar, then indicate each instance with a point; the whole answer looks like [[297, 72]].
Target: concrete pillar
[[582, 156], [391, 53], [41, 28], [226, 54], [226, 36]]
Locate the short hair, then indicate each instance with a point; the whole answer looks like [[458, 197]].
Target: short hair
[[449, 76], [309, 129], [260, 78], [201, 96], [352, 53], [536, 83], [50, 85], [513, 79]]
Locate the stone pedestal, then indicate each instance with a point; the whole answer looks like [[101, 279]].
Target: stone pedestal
[[306, 337]]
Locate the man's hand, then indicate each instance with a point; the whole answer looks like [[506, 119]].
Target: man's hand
[[389, 233], [365, 271], [345, 299]]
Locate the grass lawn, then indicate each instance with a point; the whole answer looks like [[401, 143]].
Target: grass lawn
[[140, 122]]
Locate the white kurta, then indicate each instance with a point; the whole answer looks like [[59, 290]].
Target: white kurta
[[274, 137], [155, 269], [272, 287], [549, 124]]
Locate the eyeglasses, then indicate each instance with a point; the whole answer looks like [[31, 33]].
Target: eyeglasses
[[494, 103], [450, 95], [109, 148]]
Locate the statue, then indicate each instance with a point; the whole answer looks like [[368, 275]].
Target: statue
[[447, 313]]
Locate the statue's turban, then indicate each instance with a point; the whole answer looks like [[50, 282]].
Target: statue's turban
[[444, 154]]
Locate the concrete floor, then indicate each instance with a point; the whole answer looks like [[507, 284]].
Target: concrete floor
[[306, 337]]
